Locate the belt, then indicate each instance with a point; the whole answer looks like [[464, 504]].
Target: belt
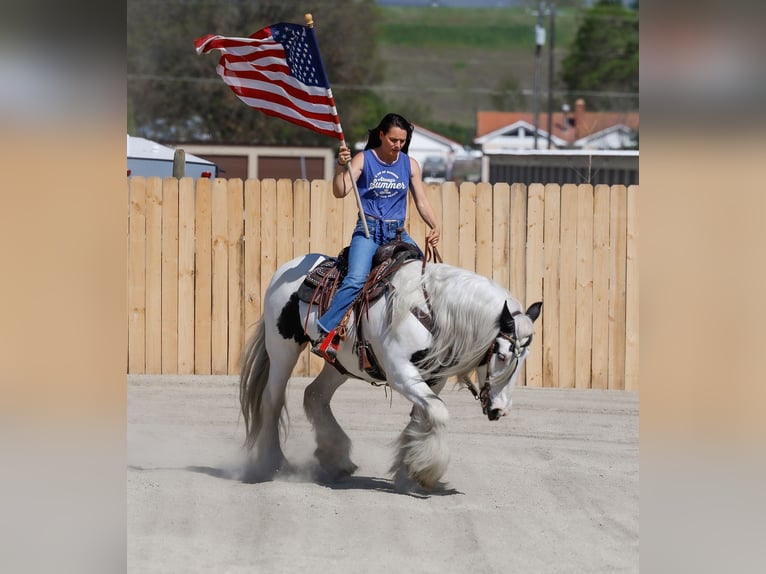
[[376, 218]]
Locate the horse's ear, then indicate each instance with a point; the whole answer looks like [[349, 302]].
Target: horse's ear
[[534, 310], [506, 320]]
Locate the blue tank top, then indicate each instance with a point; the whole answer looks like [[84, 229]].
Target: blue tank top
[[383, 187]]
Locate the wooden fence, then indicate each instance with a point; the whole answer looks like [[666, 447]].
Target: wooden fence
[[200, 255]]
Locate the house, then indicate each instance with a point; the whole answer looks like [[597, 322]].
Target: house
[[506, 132], [431, 149], [148, 158]]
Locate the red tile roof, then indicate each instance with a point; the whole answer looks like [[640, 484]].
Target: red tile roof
[[589, 122]]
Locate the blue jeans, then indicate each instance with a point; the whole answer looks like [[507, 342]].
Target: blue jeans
[[359, 263]]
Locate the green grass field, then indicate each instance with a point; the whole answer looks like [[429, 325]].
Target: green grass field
[[476, 28], [445, 64]]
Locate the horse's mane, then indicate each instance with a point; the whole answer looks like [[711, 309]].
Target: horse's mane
[[466, 310]]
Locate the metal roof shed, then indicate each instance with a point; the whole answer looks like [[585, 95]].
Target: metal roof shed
[[148, 158]]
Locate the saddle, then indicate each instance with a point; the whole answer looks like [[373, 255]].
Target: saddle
[[320, 285]]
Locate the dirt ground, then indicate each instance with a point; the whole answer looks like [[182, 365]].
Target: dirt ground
[[553, 487]]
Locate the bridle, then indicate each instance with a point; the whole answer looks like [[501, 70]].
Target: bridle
[[482, 394]]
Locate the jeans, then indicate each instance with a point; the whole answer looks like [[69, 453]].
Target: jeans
[[359, 263]]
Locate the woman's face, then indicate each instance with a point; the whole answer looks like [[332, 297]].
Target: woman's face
[[393, 140]]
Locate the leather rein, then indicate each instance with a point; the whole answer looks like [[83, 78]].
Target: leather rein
[[426, 318]]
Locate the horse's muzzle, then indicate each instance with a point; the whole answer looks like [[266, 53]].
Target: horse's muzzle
[[495, 414]]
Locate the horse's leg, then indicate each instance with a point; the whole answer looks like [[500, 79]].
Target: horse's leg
[[333, 445], [422, 455], [268, 457]]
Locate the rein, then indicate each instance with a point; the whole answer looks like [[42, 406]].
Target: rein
[[426, 319], [432, 254]]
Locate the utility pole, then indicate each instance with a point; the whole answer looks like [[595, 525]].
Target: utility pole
[[552, 13], [539, 43]]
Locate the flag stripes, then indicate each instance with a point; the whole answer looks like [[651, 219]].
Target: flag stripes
[[278, 70]]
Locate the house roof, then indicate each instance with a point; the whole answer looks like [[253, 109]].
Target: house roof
[[438, 138], [600, 134], [519, 124], [587, 123], [142, 148]]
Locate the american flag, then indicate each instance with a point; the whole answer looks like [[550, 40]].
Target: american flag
[[279, 71]]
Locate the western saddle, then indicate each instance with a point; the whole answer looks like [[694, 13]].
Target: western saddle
[[320, 285]]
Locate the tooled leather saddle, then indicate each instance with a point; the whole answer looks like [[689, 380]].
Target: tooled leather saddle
[[320, 285]]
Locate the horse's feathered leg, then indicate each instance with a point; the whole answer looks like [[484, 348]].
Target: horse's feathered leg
[[422, 455], [333, 444]]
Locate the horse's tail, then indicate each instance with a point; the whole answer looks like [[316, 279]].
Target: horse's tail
[[252, 382]]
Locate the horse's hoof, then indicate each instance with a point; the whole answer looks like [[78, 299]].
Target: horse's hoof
[[346, 472], [254, 473], [334, 474], [407, 483]]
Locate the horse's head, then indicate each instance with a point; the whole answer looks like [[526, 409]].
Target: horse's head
[[499, 370]]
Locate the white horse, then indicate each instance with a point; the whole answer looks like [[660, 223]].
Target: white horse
[[433, 322]]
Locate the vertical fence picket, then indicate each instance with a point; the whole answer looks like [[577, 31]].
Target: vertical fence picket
[[617, 240], [450, 223], [551, 290], [467, 230], [268, 232], [600, 354], [203, 297], [518, 254], [285, 219], [631, 293], [154, 275], [252, 255], [568, 287], [518, 244], [433, 192], [584, 295], [137, 277], [235, 241], [483, 230], [500, 217], [219, 330], [534, 287], [186, 275], [170, 275], [335, 239]]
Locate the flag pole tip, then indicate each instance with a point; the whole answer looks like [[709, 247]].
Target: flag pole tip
[[309, 19]]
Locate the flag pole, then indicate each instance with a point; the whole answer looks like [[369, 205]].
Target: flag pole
[[310, 24]]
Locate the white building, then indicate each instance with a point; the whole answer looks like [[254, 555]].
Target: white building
[[148, 158]]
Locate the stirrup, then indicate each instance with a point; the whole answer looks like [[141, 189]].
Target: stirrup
[[327, 348]]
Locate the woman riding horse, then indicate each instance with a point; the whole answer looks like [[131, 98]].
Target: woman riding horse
[[384, 173]]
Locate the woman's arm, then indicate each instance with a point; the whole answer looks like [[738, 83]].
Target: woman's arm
[[422, 204], [341, 182]]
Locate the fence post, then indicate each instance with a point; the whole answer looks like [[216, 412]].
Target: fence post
[[179, 163]]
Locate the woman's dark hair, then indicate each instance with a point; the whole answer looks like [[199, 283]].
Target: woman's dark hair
[[389, 121]]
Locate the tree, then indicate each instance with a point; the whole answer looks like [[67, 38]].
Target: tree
[[604, 56], [175, 95]]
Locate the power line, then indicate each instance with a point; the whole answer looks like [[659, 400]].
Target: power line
[[398, 88]]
